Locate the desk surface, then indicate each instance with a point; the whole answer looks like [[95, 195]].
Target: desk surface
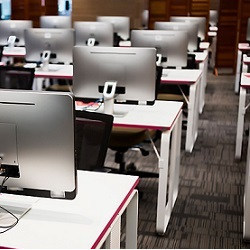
[[213, 28], [80, 223], [246, 59], [161, 115], [180, 76], [55, 71], [204, 45], [14, 52], [200, 56], [212, 33], [243, 46], [245, 80]]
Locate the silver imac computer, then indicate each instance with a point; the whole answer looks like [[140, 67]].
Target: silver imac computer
[[213, 17], [190, 28], [112, 73], [37, 144], [171, 46], [248, 30], [121, 25], [200, 20], [54, 22], [58, 43], [12, 32], [93, 34]]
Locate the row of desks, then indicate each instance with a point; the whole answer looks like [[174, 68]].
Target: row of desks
[[164, 115]]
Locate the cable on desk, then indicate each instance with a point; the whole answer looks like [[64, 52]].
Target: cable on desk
[[98, 101], [7, 228]]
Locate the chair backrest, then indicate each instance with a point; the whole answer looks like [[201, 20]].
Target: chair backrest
[[13, 77], [92, 132]]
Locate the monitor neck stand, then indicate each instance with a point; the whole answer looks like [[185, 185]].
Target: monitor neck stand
[[11, 41], [108, 95], [159, 59], [45, 60], [91, 42]]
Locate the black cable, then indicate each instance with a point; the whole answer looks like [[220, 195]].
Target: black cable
[[7, 228]]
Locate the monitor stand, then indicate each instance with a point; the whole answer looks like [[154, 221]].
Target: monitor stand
[[45, 60], [91, 42], [108, 97], [11, 41]]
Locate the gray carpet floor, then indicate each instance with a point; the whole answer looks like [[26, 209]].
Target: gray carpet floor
[[208, 212]]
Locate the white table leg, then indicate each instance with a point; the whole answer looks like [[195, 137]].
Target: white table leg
[[240, 123], [202, 87], [132, 222], [246, 214], [164, 205], [113, 239], [193, 116], [238, 69]]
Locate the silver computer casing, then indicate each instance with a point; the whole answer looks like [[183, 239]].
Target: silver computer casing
[[121, 24], [58, 41], [170, 44], [200, 20], [248, 30], [14, 28], [190, 28], [62, 22], [132, 68], [37, 134], [102, 32]]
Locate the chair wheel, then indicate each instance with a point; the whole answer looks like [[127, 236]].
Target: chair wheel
[[131, 167]]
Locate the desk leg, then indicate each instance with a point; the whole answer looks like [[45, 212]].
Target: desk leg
[[246, 215], [240, 123], [164, 205], [202, 87], [193, 116], [238, 68], [132, 222], [113, 239]]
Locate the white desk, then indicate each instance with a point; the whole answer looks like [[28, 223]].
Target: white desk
[[202, 59], [213, 28], [85, 222], [244, 86], [191, 78], [204, 45], [246, 208], [14, 52], [55, 71], [166, 116], [245, 63], [242, 49], [213, 36]]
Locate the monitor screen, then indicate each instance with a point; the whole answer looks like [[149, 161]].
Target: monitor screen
[[200, 20], [121, 25], [133, 69], [248, 30], [94, 33], [62, 22], [190, 28], [170, 44], [213, 17], [59, 41], [14, 28], [38, 154]]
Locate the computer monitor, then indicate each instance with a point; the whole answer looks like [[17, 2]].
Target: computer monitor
[[13, 28], [94, 33], [213, 17], [121, 24], [123, 74], [190, 28], [59, 42], [248, 30], [145, 18], [170, 45], [200, 20], [62, 22], [37, 155]]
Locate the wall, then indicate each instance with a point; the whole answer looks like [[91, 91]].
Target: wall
[[87, 10]]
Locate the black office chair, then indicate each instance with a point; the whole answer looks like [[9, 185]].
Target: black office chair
[[92, 132], [15, 77], [122, 139]]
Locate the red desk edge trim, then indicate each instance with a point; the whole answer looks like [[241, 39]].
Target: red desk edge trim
[[181, 82], [114, 216], [37, 75]]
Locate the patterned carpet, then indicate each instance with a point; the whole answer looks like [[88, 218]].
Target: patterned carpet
[[209, 208]]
